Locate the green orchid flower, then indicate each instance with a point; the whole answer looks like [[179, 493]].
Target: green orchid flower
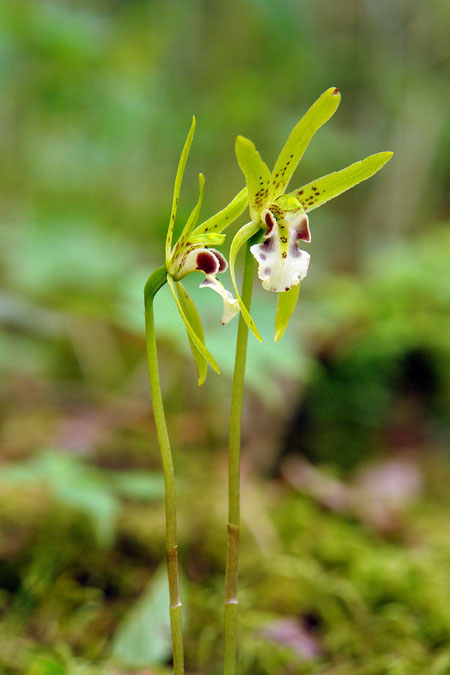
[[281, 219], [193, 252]]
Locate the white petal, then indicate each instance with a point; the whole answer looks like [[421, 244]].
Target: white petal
[[277, 273], [223, 265], [269, 219], [230, 304], [300, 223], [197, 259]]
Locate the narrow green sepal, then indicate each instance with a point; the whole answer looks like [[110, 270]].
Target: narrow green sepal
[[226, 216], [177, 188], [240, 238], [193, 217], [320, 191], [209, 239], [156, 280], [286, 305], [194, 319], [257, 176], [191, 333], [300, 136]]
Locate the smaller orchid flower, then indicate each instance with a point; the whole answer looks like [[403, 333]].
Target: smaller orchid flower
[[193, 252], [281, 219]]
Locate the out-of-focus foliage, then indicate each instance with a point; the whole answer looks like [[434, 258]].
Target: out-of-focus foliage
[[95, 493], [387, 367], [319, 587], [344, 556], [144, 638], [96, 101]]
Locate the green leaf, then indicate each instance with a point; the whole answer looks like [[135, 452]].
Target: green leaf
[[286, 305], [257, 176], [241, 237], [90, 495], [140, 485], [191, 333], [193, 217], [299, 138], [177, 188], [320, 191], [88, 489], [143, 638], [74, 484], [224, 218], [81, 487], [46, 664], [193, 317]]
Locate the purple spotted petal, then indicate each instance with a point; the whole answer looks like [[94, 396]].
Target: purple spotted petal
[[300, 223], [197, 259], [223, 265], [281, 264]]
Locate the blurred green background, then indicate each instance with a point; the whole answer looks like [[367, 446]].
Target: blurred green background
[[344, 565]]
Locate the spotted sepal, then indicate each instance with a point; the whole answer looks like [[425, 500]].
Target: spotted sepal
[[257, 176], [224, 218], [300, 136], [320, 191]]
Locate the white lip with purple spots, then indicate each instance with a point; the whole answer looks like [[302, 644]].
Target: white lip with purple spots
[[210, 262], [281, 263], [200, 259]]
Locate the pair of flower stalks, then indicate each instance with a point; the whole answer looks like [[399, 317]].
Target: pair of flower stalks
[[279, 221]]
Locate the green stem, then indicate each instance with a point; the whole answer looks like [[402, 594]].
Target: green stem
[[154, 283], [232, 565]]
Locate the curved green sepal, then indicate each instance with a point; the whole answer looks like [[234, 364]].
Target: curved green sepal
[[257, 176], [177, 188], [194, 319], [320, 191], [300, 136], [224, 218], [155, 281], [193, 217], [286, 305], [207, 239], [240, 238], [191, 333]]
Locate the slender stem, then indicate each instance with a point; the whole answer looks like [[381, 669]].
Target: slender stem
[[167, 464], [232, 565]]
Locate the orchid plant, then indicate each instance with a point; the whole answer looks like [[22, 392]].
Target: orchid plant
[[192, 252], [279, 221]]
